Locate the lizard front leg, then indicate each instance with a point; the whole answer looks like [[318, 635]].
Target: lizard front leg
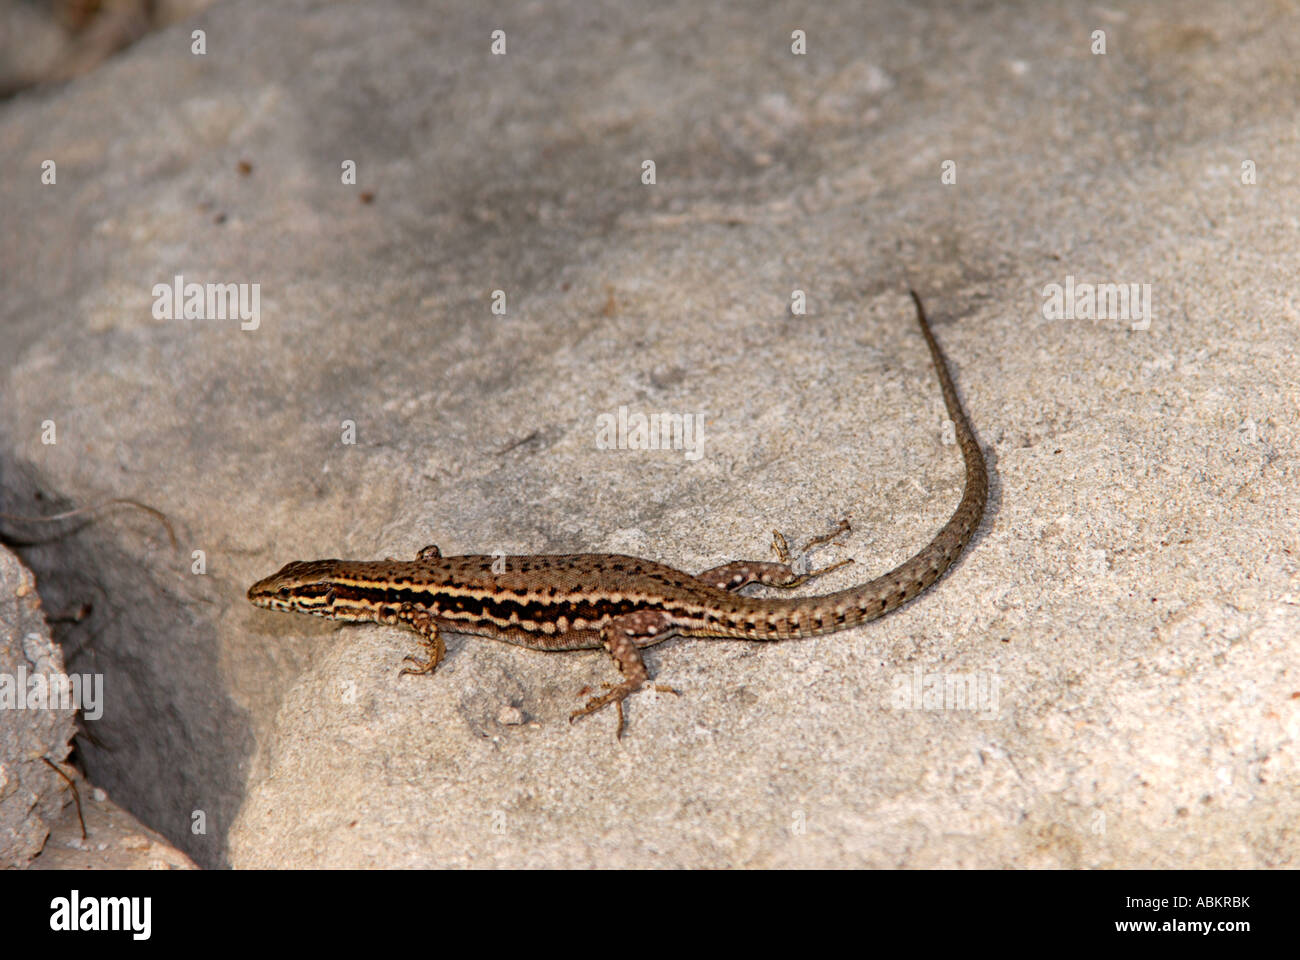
[[622, 637], [423, 624]]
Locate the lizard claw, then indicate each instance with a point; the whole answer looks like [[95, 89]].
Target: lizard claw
[[421, 666], [615, 693], [782, 550]]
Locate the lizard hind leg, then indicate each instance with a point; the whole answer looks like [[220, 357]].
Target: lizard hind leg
[[622, 637], [741, 573]]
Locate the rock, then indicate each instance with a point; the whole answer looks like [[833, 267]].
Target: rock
[[114, 840], [32, 726], [1124, 622]]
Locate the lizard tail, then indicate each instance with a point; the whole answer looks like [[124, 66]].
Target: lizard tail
[[778, 619]]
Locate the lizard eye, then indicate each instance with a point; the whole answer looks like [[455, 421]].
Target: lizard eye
[[283, 591]]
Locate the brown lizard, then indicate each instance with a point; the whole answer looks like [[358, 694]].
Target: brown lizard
[[591, 600]]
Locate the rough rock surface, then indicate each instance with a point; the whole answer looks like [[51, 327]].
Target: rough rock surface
[[31, 794], [114, 840], [1132, 597]]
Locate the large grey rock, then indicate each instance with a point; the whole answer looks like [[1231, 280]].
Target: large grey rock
[[1132, 592]]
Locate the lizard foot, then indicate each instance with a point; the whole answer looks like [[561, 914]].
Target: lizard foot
[[783, 553], [616, 693], [436, 651]]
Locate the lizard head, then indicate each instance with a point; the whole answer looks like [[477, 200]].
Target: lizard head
[[301, 586]]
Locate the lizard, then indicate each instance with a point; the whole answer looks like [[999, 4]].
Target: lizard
[[624, 604]]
